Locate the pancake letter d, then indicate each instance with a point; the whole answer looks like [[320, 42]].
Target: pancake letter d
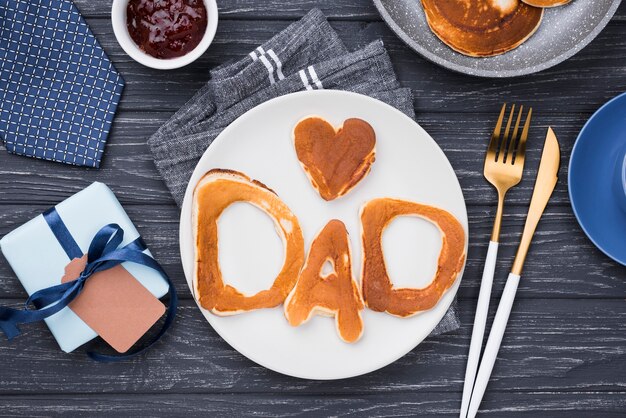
[[215, 192], [378, 291]]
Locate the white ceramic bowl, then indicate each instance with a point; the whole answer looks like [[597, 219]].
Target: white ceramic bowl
[[118, 19]]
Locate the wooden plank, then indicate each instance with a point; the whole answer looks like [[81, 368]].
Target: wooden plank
[[550, 345], [129, 170], [168, 90], [253, 9], [496, 404], [584, 82], [576, 269]]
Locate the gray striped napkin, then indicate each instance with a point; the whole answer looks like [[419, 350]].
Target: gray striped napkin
[[307, 55]]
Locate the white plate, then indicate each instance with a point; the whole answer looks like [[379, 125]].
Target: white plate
[[409, 165]]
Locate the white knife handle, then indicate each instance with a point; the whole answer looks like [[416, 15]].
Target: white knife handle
[[493, 343], [482, 308]]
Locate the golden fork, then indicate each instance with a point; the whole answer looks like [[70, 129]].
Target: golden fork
[[504, 165]]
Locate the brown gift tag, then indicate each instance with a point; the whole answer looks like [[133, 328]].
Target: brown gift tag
[[114, 304]]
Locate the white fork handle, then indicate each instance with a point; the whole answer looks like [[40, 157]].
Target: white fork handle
[[482, 308], [493, 343]]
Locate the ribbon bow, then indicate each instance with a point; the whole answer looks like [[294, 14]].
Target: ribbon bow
[[103, 254]]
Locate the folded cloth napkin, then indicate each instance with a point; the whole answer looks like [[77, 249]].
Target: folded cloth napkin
[[58, 89], [307, 55], [312, 35]]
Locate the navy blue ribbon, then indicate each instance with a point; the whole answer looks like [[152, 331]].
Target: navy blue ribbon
[[104, 253]]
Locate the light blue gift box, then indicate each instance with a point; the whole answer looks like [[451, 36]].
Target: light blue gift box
[[39, 261]]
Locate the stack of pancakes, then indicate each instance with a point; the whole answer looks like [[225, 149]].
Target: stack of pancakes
[[484, 28]]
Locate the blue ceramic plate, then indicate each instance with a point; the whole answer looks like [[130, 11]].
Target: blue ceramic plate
[[596, 179]]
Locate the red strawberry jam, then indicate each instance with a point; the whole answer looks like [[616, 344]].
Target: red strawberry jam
[[166, 28]]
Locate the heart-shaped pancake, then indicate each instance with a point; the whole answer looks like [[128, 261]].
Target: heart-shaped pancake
[[335, 160]]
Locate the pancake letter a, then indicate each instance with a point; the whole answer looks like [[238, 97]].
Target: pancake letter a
[[329, 293]]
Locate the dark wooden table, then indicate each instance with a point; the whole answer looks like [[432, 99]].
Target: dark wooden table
[[564, 353]]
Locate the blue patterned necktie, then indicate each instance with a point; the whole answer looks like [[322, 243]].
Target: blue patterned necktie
[[58, 89]]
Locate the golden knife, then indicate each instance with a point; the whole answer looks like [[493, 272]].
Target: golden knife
[[544, 186]]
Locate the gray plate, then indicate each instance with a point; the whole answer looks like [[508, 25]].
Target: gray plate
[[563, 32]]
